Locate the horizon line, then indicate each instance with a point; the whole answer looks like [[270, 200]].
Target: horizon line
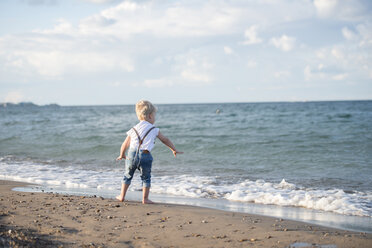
[[190, 103]]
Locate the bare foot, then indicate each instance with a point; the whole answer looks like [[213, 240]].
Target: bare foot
[[147, 201], [120, 198]]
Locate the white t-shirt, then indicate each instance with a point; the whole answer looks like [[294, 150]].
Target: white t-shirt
[[142, 127]]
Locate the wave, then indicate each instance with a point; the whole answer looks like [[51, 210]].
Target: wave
[[260, 191]]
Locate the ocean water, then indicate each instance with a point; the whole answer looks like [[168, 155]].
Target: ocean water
[[304, 155]]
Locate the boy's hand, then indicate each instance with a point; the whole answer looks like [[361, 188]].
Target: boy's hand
[[120, 158], [175, 152]]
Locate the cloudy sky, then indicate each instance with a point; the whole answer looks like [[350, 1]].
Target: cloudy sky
[[82, 52]]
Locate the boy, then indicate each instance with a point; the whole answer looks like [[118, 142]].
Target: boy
[[140, 140]]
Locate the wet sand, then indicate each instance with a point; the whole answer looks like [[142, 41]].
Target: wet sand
[[57, 220]]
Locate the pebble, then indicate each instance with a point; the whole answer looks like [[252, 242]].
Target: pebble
[[204, 221], [220, 237]]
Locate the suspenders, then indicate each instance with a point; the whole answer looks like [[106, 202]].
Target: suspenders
[[140, 141]]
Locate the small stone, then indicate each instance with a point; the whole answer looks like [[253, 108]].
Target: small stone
[[243, 240], [253, 240], [204, 221], [269, 237]]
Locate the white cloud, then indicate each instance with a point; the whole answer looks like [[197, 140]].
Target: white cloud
[[165, 19], [307, 73], [281, 74], [158, 83], [348, 34], [251, 64], [321, 54], [100, 1], [40, 2], [325, 7], [251, 37], [285, 43], [228, 50], [115, 84], [339, 77], [351, 10], [193, 68], [63, 27], [337, 53], [14, 97], [56, 63], [191, 75], [365, 34]]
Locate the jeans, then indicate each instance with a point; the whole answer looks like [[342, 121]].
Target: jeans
[[142, 162]]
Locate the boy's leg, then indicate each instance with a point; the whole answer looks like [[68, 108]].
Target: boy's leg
[[145, 193], [145, 168], [130, 168], [123, 192]]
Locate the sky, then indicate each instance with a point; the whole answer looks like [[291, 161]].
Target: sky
[[101, 52]]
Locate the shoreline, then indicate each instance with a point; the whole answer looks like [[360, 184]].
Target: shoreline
[[309, 216], [61, 220]]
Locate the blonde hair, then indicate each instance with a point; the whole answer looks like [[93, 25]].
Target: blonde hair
[[144, 109]]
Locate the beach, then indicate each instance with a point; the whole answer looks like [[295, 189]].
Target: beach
[[59, 220]]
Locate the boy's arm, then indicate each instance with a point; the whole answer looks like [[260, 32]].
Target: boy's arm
[[168, 143], [123, 148]]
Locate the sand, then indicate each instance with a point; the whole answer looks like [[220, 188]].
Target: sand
[[57, 220]]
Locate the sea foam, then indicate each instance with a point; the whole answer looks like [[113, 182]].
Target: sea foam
[[259, 191]]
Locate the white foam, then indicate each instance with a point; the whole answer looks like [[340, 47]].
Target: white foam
[[282, 194], [260, 191]]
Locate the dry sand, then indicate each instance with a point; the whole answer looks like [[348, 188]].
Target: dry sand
[[56, 220]]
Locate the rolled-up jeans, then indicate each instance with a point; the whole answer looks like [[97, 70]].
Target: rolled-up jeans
[[141, 161]]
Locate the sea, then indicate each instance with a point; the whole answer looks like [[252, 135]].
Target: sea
[[307, 161]]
